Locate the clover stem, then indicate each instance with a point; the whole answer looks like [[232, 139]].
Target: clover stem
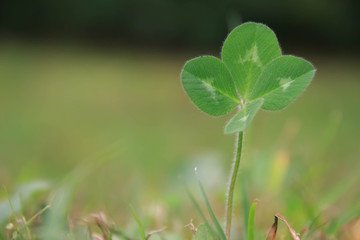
[[231, 187]]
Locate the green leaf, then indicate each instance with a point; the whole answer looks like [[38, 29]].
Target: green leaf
[[242, 119], [282, 81], [209, 85], [246, 51], [202, 232]]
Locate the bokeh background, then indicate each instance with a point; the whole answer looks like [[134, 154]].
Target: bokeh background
[[96, 83]]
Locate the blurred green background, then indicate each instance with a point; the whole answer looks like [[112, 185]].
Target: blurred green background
[[78, 78]]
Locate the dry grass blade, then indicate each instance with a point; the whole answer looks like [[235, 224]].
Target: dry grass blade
[[292, 231], [272, 232], [154, 231], [351, 231]]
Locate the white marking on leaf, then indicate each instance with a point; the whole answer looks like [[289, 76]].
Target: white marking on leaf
[[243, 119], [251, 55], [285, 83], [209, 80], [211, 90]]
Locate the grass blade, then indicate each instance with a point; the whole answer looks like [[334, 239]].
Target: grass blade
[[211, 212], [37, 215], [12, 211], [198, 208], [140, 226], [251, 221]]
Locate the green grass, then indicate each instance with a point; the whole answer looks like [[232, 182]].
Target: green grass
[[61, 105]]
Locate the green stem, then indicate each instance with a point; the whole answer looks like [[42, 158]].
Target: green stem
[[230, 193]]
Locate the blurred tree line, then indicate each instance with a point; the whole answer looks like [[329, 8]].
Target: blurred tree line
[[183, 22]]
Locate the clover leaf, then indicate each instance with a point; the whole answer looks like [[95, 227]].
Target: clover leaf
[[252, 74]]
